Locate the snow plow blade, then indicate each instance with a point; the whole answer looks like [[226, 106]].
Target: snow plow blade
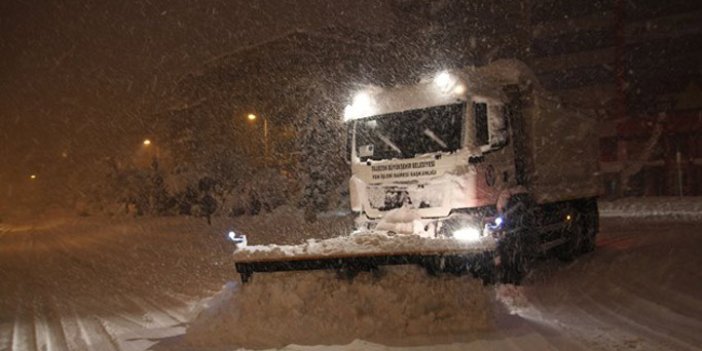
[[479, 264]]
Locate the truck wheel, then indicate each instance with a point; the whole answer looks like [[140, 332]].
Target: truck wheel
[[485, 270], [519, 247], [591, 226], [514, 264], [581, 233], [569, 250]]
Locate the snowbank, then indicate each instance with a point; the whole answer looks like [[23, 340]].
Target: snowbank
[[678, 208], [311, 308], [286, 225], [366, 243]]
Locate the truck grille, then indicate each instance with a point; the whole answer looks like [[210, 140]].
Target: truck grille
[[385, 199]]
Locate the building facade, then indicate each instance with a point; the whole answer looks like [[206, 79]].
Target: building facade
[[639, 65]]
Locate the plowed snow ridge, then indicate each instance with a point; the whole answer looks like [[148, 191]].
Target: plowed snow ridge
[[318, 308]]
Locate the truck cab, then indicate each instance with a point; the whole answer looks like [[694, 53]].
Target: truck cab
[[440, 148], [451, 155]]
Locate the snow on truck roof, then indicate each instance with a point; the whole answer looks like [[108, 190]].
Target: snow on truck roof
[[446, 87]]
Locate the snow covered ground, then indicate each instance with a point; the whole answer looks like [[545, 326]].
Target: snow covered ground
[[99, 284], [639, 290], [666, 208]]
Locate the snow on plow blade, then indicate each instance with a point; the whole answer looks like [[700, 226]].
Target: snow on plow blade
[[368, 252]]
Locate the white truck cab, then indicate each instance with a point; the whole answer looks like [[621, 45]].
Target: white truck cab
[[448, 155]]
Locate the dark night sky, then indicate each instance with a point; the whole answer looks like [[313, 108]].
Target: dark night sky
[[82, 76]]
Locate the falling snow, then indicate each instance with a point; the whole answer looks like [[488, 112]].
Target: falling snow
[[127, 156]]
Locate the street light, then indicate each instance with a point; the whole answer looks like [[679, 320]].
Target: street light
[[252, 117], [148, 144], [33, 177]]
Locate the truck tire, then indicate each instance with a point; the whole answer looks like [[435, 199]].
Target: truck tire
[[581, 232], [591, 226], [514, 265], [569, 250], [518, 248]]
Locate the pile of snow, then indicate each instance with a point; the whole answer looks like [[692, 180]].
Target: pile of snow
[[311, 308], [402, 220], [286, 225], [374, 242], [678, 208], [513, 298]]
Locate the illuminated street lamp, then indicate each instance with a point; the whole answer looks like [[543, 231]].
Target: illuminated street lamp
[[33, 177], [151, 145], [252, 118]]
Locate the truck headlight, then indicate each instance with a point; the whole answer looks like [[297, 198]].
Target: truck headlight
[[361, 106], [498, 221], [467, 234], [446, 82], [443, 80], [494, 225], [239, 240]]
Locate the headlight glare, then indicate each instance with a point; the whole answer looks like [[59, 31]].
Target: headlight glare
[[467, 234]]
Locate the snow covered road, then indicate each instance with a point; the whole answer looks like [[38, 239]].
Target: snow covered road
[[89, 284], [640, 290], [95, 284]]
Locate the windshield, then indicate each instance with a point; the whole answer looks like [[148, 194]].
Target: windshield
[[410, 133]]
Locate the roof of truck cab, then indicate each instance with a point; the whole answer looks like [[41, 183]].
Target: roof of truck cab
[[484, 83]]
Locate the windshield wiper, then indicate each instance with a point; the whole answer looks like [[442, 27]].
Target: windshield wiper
[[388, 142], [435, 138]]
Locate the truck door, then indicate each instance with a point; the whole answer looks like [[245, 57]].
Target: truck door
[[489, 131]]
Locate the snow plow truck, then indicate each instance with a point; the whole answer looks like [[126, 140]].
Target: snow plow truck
[[481, 169]]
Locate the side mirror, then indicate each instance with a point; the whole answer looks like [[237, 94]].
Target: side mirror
[[491, 131], [498, 139], [499, 131]]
